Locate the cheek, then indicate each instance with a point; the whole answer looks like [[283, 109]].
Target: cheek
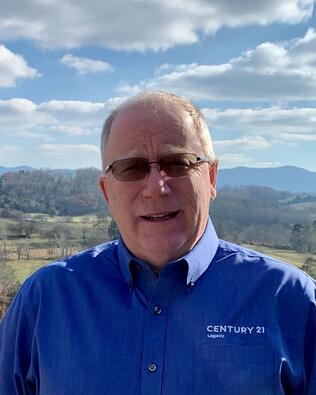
[[115, 203], [117, 194], [198, 194], [120, 204]]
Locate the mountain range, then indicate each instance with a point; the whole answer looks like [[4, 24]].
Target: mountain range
[[15, 169], [285, 178]]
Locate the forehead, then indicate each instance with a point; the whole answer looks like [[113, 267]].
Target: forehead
[[142, 126]]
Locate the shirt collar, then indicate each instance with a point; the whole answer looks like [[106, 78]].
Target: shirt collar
[[202, 254], [198, 259]]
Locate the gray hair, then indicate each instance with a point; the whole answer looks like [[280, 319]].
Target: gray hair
[[156, 98]]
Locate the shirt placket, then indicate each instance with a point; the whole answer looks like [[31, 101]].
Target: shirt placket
[[154, 336]]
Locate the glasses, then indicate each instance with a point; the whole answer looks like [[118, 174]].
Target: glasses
[[135, 169]]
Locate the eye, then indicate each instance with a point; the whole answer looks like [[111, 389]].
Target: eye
[[129, 166], [179, 160], [176, 163]]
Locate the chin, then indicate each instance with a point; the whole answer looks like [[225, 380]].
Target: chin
[[168, 247]]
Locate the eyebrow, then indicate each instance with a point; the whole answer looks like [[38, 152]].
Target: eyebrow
[[172, 149], [167, 149]]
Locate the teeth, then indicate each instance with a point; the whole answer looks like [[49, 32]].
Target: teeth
[[157, 216]]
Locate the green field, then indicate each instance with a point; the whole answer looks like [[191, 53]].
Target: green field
[[75, 234], [289, 256], [24, 268], [52, 238], [55, 237]]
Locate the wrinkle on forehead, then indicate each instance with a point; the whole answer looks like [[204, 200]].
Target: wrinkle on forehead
[[166, 149], [157, 113], [147, 129], [154, 146]]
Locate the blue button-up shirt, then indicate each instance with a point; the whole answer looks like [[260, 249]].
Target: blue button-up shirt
[[221, 320]]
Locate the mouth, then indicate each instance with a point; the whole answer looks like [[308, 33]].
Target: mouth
[[160, 217]]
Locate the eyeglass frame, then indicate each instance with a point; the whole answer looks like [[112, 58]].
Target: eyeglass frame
[[199, 160]]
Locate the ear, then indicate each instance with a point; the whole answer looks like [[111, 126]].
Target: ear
[[103, 188], [213, 178]]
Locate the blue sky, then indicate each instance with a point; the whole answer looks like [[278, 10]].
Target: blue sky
[[250, 66]]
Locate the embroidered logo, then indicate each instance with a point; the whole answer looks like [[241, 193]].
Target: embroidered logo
[[220, 331]]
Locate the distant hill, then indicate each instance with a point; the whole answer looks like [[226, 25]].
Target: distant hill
[[285, 178], [15, 169]]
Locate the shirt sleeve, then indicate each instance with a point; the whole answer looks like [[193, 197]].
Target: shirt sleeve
[[310, 350], [17, 344]]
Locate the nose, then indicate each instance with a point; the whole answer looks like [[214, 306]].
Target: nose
[[150, 165], [155, 184]]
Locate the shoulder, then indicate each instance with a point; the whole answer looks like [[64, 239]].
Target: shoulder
[[70, 273], [251, 265], [102, 254]]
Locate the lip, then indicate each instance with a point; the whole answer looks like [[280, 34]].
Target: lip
[[160, 217]]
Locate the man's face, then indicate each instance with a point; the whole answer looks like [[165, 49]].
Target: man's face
[[160, 218]]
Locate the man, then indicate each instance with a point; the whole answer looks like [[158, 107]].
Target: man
[[168, 308]]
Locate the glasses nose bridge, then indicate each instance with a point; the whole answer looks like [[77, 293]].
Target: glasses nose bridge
[[150, 163]]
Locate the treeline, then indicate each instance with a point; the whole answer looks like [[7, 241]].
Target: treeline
[[248, 215], [52, 192], [253, 215], [263, 216]]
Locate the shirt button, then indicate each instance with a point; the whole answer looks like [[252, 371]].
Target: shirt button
[[157, 310], [152, 367]]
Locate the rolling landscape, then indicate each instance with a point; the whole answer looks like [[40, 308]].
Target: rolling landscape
[[46, 214], [284, 178]]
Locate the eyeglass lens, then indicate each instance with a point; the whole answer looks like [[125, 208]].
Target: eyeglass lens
[[133, 169]]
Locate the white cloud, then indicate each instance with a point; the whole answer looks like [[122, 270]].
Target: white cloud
[[138, 25], [114, 102], [7, 150], [129, 90], [9, 154], [37, 136], [298, 138], [13, 67], [71, 130], [261, 129], [269, 72], [232, 160], [251, 142], [268, 164], [15, 106], [54, 118], [236, 131], [68, 149], [74, 110], [84, 65], [270, 121], [21, 114], [75, 118], [303, 49]]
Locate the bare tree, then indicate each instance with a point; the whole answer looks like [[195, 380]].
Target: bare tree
[[309, 266], [4, 251], [27, 252], [62, 234], [23, 228], [19, 249], [23, 250]]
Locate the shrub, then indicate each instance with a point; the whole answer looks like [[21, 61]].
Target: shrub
[[6, 295]]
